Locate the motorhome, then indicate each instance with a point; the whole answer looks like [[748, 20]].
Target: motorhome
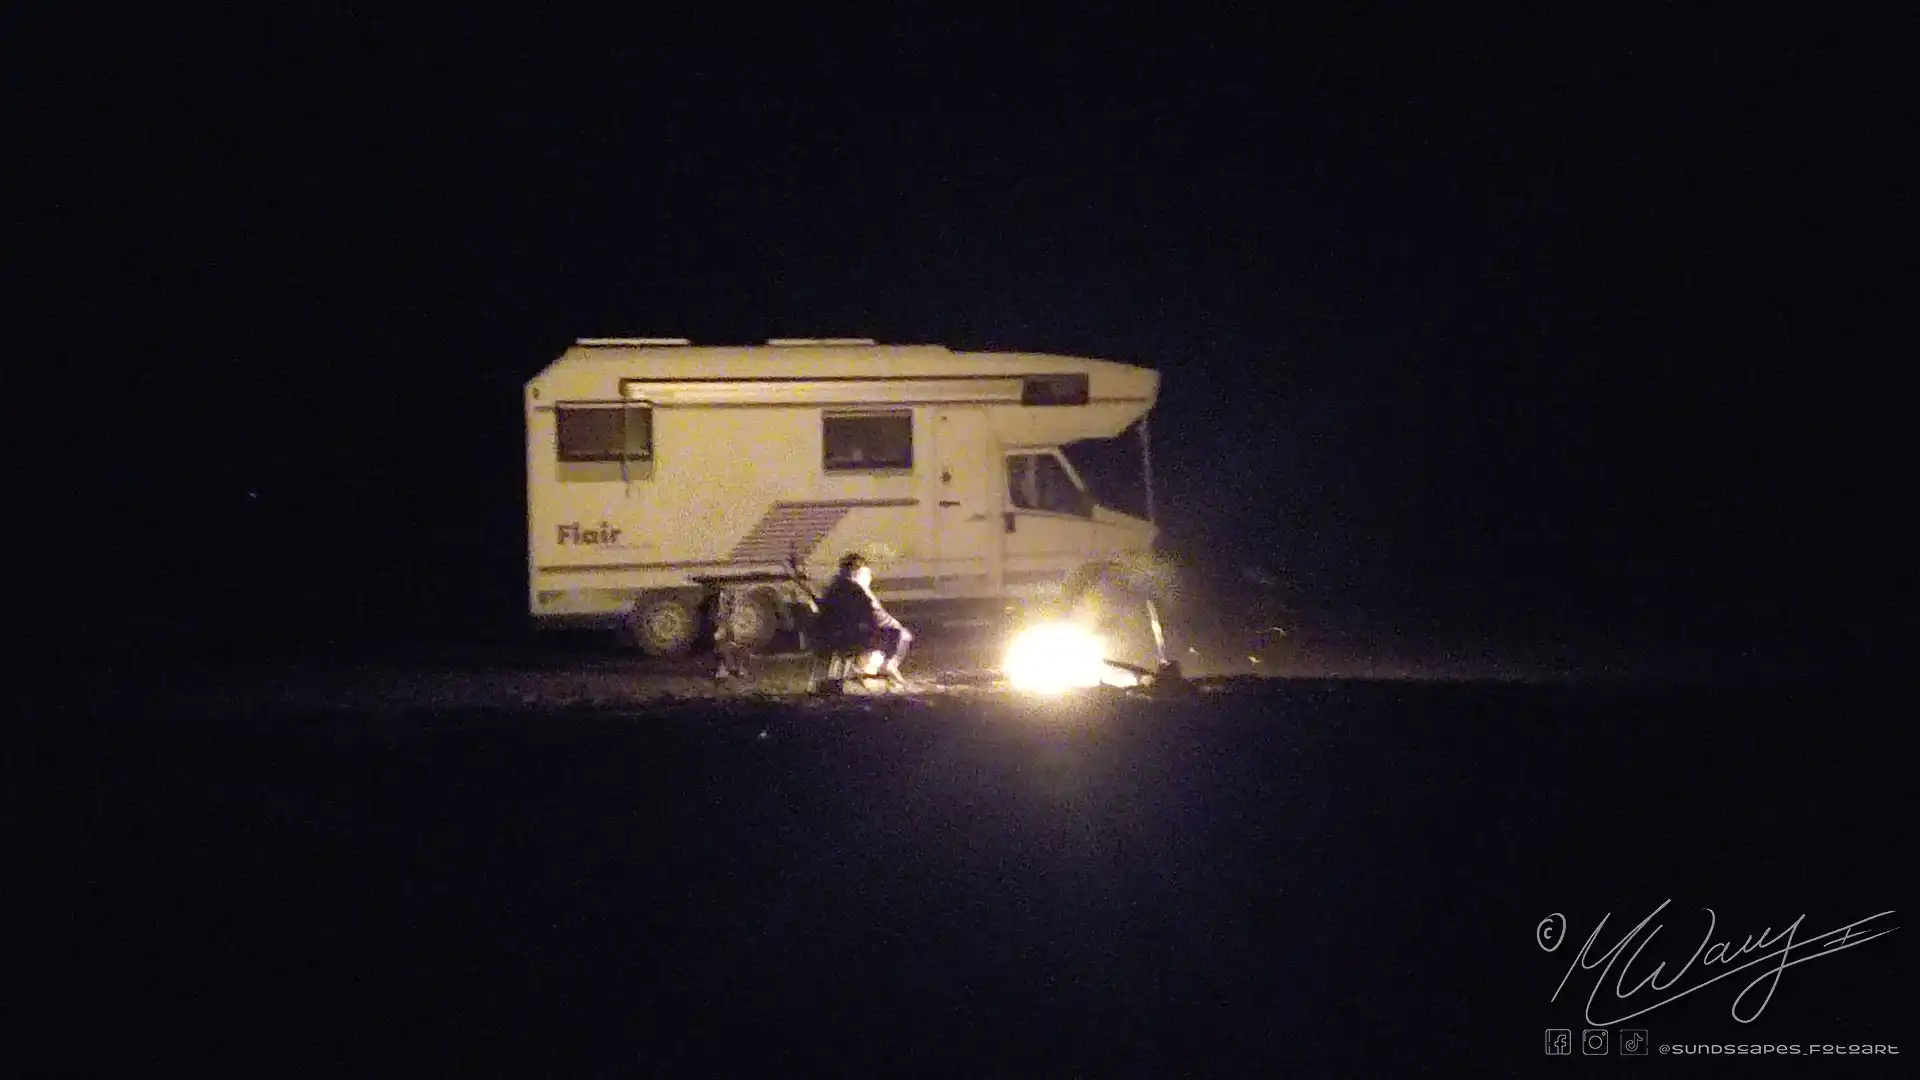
[[661, 474]]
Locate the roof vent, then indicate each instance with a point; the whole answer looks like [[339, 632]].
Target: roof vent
[[633, 341], [821, 341]]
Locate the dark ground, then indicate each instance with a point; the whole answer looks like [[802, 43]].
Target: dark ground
[[1305, 877], [1553, 334]]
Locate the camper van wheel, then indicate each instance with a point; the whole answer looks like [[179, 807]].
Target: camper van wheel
[[1105, 589], [756, 619], [664, 624], [1094, 580]]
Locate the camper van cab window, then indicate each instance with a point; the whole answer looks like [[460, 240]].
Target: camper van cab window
[[1040, 482], [1054, 390], [604, 432], [867, 442]]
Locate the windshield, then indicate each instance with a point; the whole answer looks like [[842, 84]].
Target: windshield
[[1111, 470], [1040, 481]]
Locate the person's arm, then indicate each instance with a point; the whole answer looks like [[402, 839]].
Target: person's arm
[[881, 618]]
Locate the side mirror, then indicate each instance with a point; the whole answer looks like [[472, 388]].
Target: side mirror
[[1008, 516]]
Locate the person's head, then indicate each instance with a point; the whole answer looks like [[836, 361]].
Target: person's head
[[855, 567]]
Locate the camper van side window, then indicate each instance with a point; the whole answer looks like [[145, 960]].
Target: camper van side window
[[604, 432], [1039, 482], [1054, 390], [865, 442]]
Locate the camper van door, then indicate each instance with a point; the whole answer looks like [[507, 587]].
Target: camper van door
[[1049, 519], [966, 502]]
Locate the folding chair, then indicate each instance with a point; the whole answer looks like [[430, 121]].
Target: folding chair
[[833, 664]]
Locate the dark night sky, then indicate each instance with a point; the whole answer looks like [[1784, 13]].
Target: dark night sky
[[1489, 317]]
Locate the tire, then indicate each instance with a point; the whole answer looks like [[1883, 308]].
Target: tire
[[756, 620], [1116, 603], [1118, 583], [664, 624], [1092, 582]]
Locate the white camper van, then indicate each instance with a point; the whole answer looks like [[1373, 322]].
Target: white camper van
[[660, 474]]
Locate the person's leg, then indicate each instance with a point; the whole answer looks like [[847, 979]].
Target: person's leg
[[723, 652], [902, 637], [725, 649], [879, 647], [886, 645]]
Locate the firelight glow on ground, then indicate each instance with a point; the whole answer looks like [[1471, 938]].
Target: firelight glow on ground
[[1056, 657]]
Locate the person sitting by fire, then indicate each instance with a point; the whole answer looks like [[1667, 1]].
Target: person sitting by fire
[[852, 617]]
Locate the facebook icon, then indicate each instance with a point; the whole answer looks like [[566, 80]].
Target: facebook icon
[[1560, 1042]]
